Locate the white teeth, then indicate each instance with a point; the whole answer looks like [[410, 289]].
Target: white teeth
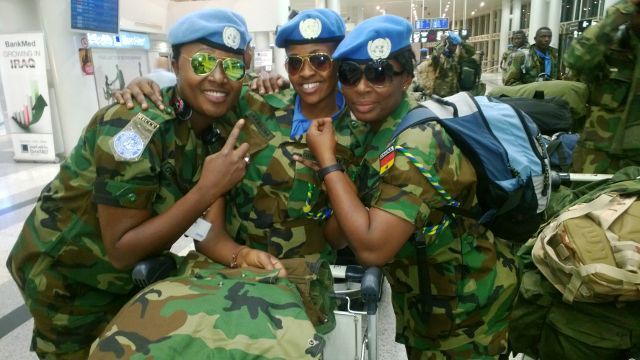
[[310, 85], [215, 93]]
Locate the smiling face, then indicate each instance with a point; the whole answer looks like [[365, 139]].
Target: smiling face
[[374, 104], [314, 87], [211, 95]]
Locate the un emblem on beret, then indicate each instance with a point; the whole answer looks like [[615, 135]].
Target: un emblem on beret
[[128, 145], [310, 28], [379, 48], [231, 37]]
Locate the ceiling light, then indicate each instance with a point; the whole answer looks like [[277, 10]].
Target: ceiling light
[[377, 7], [482, 4]]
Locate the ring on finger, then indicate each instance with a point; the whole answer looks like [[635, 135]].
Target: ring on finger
[[246, 159]]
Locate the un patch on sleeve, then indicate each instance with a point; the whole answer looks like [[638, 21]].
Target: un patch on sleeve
[[128, 145], [130, 142]]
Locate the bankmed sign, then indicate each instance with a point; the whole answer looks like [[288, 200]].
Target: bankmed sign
[[124, 40]]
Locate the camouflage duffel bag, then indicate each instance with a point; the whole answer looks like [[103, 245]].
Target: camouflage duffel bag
[[209, 311]]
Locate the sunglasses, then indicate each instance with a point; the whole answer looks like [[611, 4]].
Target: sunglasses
[[319, 61], [203, 64], [378, 73]]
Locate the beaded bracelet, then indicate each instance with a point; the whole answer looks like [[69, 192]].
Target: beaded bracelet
[[234, 258]]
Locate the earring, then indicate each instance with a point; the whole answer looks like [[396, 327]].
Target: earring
[[183, 110]]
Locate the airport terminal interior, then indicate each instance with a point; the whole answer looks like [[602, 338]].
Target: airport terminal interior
[[86, 49]]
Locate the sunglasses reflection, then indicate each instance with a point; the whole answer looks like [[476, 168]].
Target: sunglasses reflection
[[203, 64], [319, 62], [378, 73]]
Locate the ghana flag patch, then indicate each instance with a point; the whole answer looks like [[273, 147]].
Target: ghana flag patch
[[386, 159]]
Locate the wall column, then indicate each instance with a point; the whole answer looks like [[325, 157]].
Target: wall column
[[517, 15], [504, 25], [489, 54], [334, 5], [538, 17], [279, 55], [555, 7]]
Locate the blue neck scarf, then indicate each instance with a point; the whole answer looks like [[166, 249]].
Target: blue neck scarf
[[301, 124], [547, 60]]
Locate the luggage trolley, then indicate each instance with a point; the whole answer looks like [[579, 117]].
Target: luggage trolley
[[357, 292]]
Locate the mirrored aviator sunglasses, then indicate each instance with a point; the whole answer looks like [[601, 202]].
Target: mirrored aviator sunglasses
[[319, 61], [203, 64], [378, 73]]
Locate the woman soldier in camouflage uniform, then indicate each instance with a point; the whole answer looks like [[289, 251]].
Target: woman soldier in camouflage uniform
[[133, 184], [473, 274], [280, 205]]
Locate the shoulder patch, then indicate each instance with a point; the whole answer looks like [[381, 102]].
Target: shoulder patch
[[387, 158], [130, 142]]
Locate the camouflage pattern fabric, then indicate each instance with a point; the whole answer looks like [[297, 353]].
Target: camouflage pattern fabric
[[607, 59], [527, 65], [473, 274], [280, 205], [545, 327], [442, 76], [59, 261], [212, 312], [508, 56]]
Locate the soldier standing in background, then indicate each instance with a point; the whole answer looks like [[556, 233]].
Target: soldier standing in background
[[518, 44], [538, 64], [607, 58], [440, 74]]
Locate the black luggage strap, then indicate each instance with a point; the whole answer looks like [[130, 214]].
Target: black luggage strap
[[424, 281]]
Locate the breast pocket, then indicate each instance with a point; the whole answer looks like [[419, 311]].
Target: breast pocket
[[612, 93]]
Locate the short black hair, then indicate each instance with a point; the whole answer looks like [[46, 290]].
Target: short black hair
[[519, 32], [407, 59], [175, 51], [543, 29]]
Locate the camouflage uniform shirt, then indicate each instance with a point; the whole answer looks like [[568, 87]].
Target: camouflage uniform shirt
[[607, 59], [507, 58], [59, 260], [279, 206], [473, 275], [527, 65]]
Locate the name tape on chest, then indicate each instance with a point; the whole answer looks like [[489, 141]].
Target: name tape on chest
[[130, 142]]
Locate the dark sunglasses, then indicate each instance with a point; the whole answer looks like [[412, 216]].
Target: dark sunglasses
[[319, 61], [378, 73], [203, 64]]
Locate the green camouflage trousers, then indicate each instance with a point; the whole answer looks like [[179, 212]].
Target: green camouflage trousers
[[212, 312], [64, 327]]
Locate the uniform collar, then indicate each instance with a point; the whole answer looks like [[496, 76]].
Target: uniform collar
[[300, 124]]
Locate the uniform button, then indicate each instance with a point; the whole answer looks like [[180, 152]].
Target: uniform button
[[354, 123], [168, 109], [131, 197]]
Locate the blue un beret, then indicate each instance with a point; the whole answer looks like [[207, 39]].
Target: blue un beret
[[375, 38], [455, 38], [219, 28], [311, 26]]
